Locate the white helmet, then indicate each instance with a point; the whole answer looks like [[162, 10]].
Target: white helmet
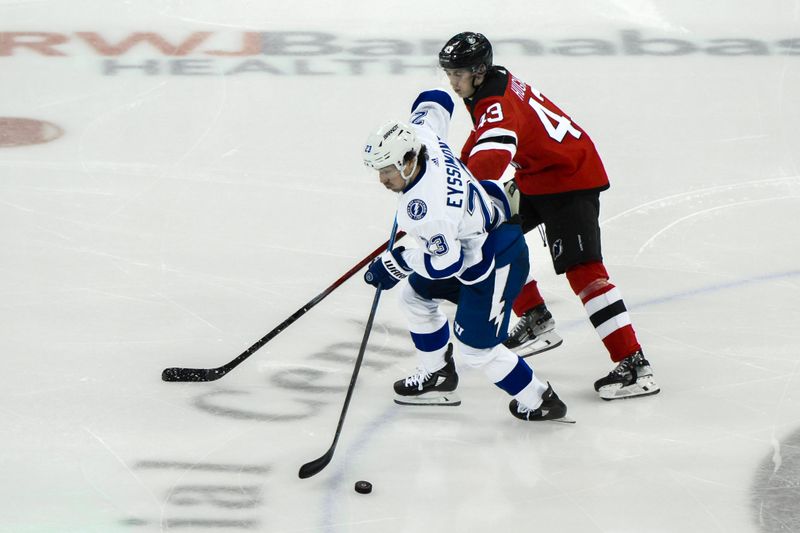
[[389, 145]]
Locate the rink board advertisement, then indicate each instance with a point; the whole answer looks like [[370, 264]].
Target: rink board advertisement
[[315, 53]]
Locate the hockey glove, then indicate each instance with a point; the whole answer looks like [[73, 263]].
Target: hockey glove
[[513, 194], [388, 269]]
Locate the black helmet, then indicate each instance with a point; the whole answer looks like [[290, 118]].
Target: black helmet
[[466, 50]]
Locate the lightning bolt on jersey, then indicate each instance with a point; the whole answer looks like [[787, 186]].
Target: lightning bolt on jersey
[[446, 209], [516, 124]]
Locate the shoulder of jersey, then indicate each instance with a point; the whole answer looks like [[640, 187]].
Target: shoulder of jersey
[[495, 84], [426, 198]]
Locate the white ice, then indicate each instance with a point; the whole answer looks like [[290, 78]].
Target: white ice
[[190, 208]]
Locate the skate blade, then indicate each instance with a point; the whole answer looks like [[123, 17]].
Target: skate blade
[[562, 420], [632, 391], [542, 343], [441, 400]]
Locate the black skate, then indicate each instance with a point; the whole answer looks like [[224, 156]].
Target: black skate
[[534, 333], [632, 377], [552, 408], [423, 388]]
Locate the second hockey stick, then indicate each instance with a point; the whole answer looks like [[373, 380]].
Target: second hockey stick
[[314, 467], [212, 374]]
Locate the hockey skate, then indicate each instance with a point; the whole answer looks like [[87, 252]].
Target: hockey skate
[[552, 409], [424, 388], [632, 377], [534, 333]]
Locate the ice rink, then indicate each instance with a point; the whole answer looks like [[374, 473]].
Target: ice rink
[[202, 180]]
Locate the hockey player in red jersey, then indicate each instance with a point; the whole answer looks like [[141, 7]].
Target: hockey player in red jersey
[[560, 176]]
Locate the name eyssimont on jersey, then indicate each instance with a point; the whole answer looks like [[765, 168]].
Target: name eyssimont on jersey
[[314, 53]]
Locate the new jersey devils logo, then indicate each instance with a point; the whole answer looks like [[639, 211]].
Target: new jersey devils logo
[[558, 248]]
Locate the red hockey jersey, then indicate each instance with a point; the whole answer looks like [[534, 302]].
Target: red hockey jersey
[[515, 124]]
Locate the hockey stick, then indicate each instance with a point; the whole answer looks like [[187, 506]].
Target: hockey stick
[[212, 374], [314, 467]]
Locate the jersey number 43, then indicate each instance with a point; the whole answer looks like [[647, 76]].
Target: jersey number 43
[[556, 126]]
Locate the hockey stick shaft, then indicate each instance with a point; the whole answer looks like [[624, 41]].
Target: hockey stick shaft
[[314, 467], [212, 374]]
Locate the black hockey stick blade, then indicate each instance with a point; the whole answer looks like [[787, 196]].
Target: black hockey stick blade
[[314, 467], [212, 374], [191, 374]]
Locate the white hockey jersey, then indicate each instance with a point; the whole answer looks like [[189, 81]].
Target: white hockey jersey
[[447, 210]]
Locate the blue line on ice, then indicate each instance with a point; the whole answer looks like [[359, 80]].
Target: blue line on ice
[[334, 485]]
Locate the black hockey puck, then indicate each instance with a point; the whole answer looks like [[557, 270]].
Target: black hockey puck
[[363, 487]]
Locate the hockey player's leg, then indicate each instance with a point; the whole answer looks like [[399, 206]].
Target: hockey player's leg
[[435, 380], [528, 298], [609, 316], [532, 400], [480, 327], [535, 331]]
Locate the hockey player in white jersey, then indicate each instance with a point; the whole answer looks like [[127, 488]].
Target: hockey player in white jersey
[[468, 252]]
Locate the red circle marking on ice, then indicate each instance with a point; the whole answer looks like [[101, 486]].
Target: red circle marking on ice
[[15, 131]]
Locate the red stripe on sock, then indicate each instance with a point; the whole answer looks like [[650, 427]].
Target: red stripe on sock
[[590, 280], [580, 277], [622, 343], [529, 297]]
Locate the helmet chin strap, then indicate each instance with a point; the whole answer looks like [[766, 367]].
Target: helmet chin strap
[[479, 72], [407, 179]]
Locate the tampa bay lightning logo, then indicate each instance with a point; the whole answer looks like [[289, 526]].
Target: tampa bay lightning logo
[[416, 209]]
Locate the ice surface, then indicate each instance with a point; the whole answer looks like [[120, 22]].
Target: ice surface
[[208, 184]]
